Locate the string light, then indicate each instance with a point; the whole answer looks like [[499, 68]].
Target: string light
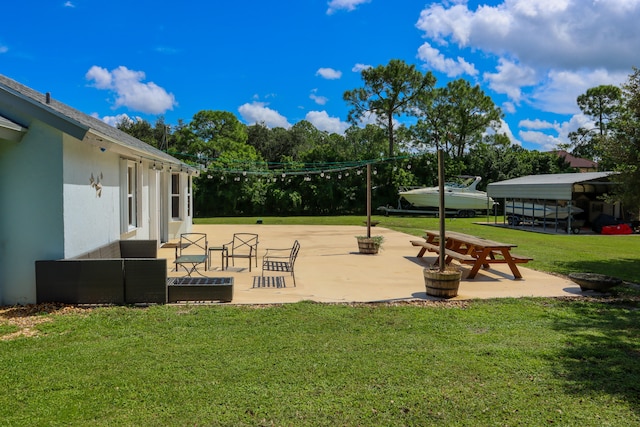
[[273, 170]]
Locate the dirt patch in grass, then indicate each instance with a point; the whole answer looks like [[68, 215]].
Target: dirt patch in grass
[[27, 317]]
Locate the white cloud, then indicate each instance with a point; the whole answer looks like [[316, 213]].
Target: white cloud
[[510, 78], [577, 121], [504, 128], [548, 52], [130, 91], [537, 124], [101, 77], [508, 107], [322, 121], [258, 112], [349, 5], [114, 120], [559, 92], [368, 118], [440, 23], [320, 100], [546, 135], [358, 68], [436, 60], [3, 48], [329, 73], [69, 4], [552, 33], [541, 140]]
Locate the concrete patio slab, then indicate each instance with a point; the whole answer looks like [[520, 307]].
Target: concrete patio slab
[[330, 269]]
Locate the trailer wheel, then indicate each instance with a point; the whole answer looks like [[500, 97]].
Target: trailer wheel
[[575, 230], [466, 213], [513, 220]]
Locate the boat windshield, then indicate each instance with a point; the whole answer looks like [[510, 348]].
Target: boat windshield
[[461, 182], [455, 185]]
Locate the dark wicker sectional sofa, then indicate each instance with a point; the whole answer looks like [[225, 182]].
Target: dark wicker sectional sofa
[[122, 272]]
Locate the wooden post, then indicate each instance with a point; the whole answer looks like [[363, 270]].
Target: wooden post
[[441, 210], [368, 200]]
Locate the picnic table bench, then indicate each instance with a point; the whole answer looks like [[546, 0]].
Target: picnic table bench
[[448, 252], [475, 251]]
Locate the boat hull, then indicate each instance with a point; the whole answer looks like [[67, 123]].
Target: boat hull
[[536, 210], [423, 198]]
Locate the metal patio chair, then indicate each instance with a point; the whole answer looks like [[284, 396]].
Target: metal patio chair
[[192, 252], [283, 260], [243, 245]]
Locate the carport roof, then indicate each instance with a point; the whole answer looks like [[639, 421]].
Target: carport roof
[[549, 186]]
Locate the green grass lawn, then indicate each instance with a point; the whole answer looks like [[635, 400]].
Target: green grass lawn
[[527, 362], [562, 253], [502, 362]]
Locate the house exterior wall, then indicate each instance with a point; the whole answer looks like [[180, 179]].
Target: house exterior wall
[[31, 210], [93, 216], [50, 210], [91, 213]]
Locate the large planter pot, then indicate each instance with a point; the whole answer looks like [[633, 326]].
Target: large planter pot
[[442, 284], [368, 245]]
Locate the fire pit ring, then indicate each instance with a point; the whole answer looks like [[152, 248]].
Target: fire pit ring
[[594, 282]]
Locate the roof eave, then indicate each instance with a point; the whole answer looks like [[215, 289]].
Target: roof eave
[[11, 131], [45, 113], [107, 143]]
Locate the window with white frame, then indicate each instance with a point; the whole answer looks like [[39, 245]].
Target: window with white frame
[[175, 196], [131, 194], [189, 196], [130, 189]]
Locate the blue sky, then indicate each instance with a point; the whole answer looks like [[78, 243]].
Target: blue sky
[[280, 62]]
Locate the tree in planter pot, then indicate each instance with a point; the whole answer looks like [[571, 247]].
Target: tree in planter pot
[[369, 244], [442, 281]]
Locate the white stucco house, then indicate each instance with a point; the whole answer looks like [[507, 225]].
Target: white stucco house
[[70, 183]]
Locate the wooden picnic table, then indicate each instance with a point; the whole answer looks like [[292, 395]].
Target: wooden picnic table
[[472, 250]]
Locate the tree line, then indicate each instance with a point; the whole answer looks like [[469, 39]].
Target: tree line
[[257, 170], [612, 136]]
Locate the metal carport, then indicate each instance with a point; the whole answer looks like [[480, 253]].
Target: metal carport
[[550, 187], [558, 186]]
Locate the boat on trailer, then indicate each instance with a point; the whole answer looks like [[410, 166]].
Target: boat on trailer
[[463, 197], [540, 210], [538, 213]]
